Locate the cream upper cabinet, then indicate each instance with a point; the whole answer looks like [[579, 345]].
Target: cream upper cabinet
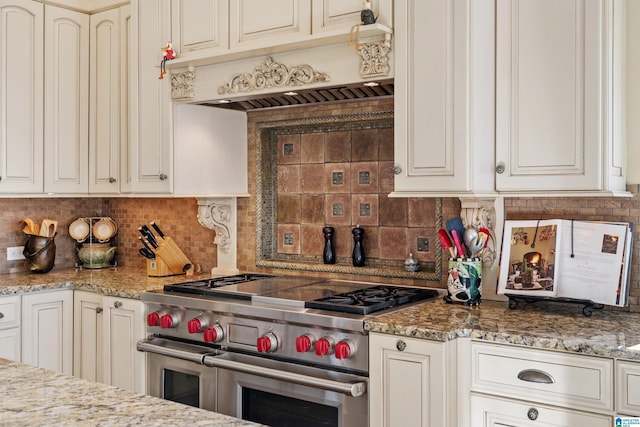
[[200, 26], [258, 22], [336, 15], [66, 97], [109, 121], [21, 96], [559, 105], [411, 382], [150, 160], [432, 136]]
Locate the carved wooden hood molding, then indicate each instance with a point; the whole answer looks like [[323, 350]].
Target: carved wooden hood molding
[[273, 74]]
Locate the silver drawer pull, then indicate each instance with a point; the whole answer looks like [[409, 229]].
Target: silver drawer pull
[[532, 414], [535, 376]]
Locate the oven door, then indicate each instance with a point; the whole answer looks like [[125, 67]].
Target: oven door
[[284, 394], [175, 372]]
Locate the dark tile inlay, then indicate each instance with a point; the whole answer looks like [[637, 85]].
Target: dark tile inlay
[[365, 209], [338, 209], [287, 150], [364, 177], [337, 178], [422, 244], [288, 239]]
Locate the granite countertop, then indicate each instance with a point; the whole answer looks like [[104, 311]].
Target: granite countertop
[[34, 396], [552, 326]]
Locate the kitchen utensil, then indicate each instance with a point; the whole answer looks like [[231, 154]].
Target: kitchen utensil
[[157, 229], [150, 236], [145, 244], [147, 253], [48, 227], [457, 225], [30, 227], [79, 229], [445, 241], [473, 241], [40, 252], [458, 243]]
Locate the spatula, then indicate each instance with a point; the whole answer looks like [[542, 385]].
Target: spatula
[[456, 224], [445, 241]]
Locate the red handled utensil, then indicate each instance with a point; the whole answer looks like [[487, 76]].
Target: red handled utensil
[[445, 241], [458, 243]]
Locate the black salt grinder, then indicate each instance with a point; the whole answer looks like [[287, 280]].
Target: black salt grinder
[[329, 253], [358, 249]]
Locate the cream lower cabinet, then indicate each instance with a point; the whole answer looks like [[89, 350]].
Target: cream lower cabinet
[[517, 386], [411, 382], [10, 328], [47, 330], [123, 327], [88, 343], [628, 388]]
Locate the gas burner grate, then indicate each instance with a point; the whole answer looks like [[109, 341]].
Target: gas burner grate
[[202, 287], [370, 300]]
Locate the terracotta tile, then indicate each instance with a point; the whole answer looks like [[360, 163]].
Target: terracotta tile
[[312, 239], [312, 178], [289, 179], [370, 243], [393, 243], [364, 145], [364, 209], [385, 144], [422, 212], [385, 177], [343, 241], [313, 209], [393, 211], [364, 177], [337, 177], [337, 209], [289, 208], [288, 238], [338, 147], [429, 233], [288, 149], [312, 148]]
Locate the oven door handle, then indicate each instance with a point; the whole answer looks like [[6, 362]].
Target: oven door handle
[[151, 346], [356, 389]]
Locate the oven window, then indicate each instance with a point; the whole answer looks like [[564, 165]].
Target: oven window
[[182, 388], [275, 410]]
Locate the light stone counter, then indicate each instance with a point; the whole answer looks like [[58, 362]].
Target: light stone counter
[[37, 397], [544, 325]]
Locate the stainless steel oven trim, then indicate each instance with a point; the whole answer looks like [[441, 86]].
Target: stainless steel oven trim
[[171, 349]]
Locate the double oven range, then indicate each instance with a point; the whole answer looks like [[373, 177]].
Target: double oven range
[[278, 350]]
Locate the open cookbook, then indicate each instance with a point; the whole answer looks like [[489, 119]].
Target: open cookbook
[[585, 260]]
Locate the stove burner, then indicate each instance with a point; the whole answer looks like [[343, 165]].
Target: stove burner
[[202, 287], [369, 300]]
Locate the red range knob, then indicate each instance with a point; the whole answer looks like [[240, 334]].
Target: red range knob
[[213, 334], [304, 343], [268, 343], [168, 321], [153, 319], [344, 350], [324, 346], [194, 326]]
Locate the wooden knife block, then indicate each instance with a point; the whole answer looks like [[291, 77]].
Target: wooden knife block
[[170, 260]]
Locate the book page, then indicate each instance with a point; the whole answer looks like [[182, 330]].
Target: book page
[[591, 256]]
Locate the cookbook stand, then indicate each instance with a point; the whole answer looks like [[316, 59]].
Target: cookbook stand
[[587, 310]]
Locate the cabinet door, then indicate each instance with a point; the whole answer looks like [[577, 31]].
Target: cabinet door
[[21, 96], [10, 344], [338, 15], [87, 336], [552, 95], [628, 388], [150, 112], [408, 382], [432, 148], [66, 118], [199, 27], [10, 328], [105, 122], [493, 412], [124, 366], [257, 22], [47, 330]]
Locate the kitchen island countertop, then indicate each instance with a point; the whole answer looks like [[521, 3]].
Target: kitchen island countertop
[[34, 396]]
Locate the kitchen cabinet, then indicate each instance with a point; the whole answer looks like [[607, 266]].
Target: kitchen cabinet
[[628, 388], [411, 381], [10, 328], [88, 329], [124, 326], [150, 153], [47, 330], [109, 97], [559, 95], [336, 15], [21, 96], [66, 100], [200, 27], [513, 385]]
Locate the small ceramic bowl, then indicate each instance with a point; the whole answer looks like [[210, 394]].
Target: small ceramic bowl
[[79, 229], [104, 229]]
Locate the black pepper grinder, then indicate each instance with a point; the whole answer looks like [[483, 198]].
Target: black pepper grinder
[[329, 253], [358, 250]]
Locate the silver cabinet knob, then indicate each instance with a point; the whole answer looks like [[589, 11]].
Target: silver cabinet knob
[[1, 315], [532, 414], [500, 168], [111, 180], [98, 310], [163, 176], [401, 345], [117, 304], [397, 170]]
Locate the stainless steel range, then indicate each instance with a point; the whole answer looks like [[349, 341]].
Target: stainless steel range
[[279, 350]]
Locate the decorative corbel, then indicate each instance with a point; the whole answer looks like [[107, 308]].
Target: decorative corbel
[[220, 214], [182, 84]]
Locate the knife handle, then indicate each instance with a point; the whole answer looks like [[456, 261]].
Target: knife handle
[[155, 227], [146, 233]]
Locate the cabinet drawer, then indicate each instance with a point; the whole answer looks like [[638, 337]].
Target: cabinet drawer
[[628, 388], [9, 312], [556, 378]]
